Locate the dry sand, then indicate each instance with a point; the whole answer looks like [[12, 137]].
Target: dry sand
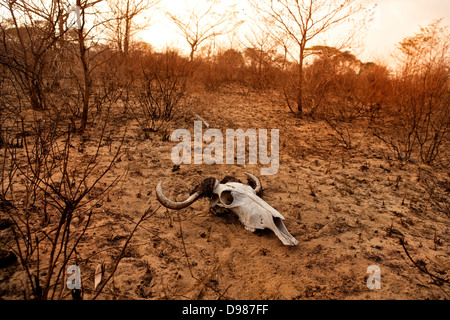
[[347, 208]]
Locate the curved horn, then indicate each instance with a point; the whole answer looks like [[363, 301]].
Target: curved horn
[[166, 202], [256, 181]]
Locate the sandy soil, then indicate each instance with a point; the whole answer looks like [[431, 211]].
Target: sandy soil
[[347, 208]]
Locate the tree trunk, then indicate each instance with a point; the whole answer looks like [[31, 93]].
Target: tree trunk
[[86, 74], [86, 96], [35, 85], [300, 84], [119, 38], [126, 38], [191, 56], [35, 95], [260, 62]]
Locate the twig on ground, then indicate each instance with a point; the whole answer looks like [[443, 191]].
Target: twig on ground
[[148, 213], [437, 280]]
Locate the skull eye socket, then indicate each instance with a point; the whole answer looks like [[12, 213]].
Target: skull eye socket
[[226, 197]]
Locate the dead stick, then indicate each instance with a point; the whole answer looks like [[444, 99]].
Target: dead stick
[[424, 270], [148, 213]]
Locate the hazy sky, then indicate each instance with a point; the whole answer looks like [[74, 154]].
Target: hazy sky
[[393, 21], [399, 19]]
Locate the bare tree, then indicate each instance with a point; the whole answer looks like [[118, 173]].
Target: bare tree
[[29, 32], [299, 22], [260, 51], [202, 23], [123, 26], [89, 23]]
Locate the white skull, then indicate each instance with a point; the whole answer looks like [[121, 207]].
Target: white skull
[[253, 212]]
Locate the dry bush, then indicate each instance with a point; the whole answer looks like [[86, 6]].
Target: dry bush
[[437, 186], [343, 92], [206, 74], [159, 92], [220, 70], [263, 68], [28, 35], [417, 123], [49, 188], [252, 69], [230, 64], [49, 197], [49, 193], [112, 80], [50, 66], [418, 118], [340, 87]]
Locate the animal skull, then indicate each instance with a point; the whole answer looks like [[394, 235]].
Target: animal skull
[[243, 200]]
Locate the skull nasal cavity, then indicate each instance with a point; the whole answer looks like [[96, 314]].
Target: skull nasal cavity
[[226, 197]]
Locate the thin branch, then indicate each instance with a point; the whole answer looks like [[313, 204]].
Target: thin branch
[[147, 214], [436, 279]]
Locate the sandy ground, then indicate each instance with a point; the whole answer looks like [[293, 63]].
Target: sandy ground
[[347, 208]]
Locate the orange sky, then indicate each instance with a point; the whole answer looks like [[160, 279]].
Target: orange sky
[[399, 19], [393, 21]]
